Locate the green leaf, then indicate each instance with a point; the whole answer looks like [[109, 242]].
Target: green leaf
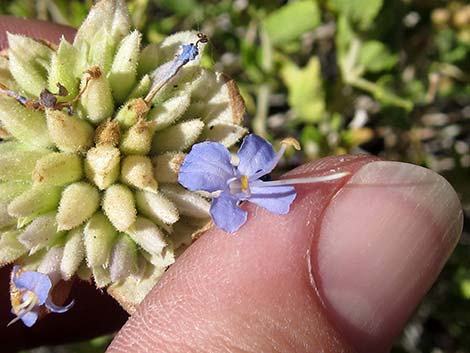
[[306, 96], [292, 20], [29, 63], [64, 68], [123, 72], [361, 12], [375, 57], [26, 125]]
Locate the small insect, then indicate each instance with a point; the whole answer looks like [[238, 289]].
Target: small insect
[[47, 99], [167, 71]]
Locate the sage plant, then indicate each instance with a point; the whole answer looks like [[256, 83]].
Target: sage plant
[[94, 133]]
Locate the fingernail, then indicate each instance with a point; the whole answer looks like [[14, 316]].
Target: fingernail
[[383, 240]]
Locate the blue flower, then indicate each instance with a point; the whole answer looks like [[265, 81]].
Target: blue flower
[[30, 293], [208, 167]]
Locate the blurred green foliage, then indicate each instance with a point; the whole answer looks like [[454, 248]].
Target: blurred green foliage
[[390, 78]]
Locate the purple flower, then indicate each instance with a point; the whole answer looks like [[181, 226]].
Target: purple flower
[[208, 167], [30, 291]]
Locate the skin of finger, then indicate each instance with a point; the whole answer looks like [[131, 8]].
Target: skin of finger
[[94, 312], [33, 28], [245, 292]]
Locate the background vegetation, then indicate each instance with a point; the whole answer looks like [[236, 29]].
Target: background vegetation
[[391, 78]]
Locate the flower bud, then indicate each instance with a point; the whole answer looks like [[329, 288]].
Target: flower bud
[[110, 16], [40, 232], [50, 263], [147, 235], [156, 207], [137, 171], [97, 98], [102, 165], [69, 133], [133, 289], [178, 137], [101, 53], [142, 88], [35, 202], [78, 203], [113, 115], [64, 68], [27, 125], [166, 166], [11, 189], [149, 59], [8, 191], [138, 139], [58, 169], [74, 253], [119, 206], [108, 133], [28, 59], [226, 134], [99, 238], [123, 72], [18, 164], [162, 260], [101, 276], [165, 114], [123, 260], [131, 112], [188, 203], [5, 75]]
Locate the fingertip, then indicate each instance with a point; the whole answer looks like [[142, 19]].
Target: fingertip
[[382, 242], [248, 289]]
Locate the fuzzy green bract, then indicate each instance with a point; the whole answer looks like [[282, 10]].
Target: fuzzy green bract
[[98, 188]]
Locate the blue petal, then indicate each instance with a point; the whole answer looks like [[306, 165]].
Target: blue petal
[[190, 52], [226, 214], [256, 155], [30, 318], [276, 199], [207, 167], [58, 309], [37, 282]]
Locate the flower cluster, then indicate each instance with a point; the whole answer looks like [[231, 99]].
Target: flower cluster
[[95, 175], [94, 135]]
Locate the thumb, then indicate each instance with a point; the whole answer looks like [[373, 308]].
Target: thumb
[[341, 272]]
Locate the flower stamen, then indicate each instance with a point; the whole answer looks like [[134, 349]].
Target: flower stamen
[[22, 308], [244, 182], [308, 180]]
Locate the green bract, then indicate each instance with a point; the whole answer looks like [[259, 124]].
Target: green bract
[[98, 187]]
